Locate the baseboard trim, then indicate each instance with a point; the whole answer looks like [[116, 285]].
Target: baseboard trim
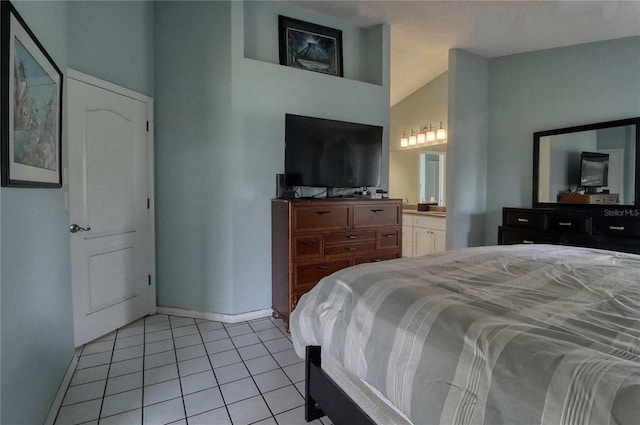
[[62, 389], [218, 317]]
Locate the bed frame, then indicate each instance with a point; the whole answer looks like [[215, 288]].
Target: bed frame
[[324, 397]]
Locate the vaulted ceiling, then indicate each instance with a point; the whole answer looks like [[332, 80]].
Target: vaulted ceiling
[[422, 32]]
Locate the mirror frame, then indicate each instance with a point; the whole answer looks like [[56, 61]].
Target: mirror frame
[[580, 128]]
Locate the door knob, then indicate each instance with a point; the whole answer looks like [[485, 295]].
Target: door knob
[[74, 228]]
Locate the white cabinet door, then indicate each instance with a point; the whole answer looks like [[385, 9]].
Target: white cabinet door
[[440, 241], [423, 242], [407, 241]]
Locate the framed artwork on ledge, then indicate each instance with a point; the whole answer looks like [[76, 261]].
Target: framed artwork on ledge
[[31, 109], [309, 46]]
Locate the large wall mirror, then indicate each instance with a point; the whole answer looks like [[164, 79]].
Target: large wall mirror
[[589, 165]]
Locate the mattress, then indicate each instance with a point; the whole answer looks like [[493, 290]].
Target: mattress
[[510, 334]]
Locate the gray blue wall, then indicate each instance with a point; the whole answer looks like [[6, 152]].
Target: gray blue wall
[[220, 100], [467, 149], [36, 324], [113, 40], [545, 90], [35, 287]]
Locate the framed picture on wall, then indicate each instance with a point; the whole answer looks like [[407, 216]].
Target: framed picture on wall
[[309, 46], [31, 109]]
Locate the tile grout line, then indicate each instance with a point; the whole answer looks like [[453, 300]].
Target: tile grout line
[[175, 353], [226, 407], [106, 381], [144, 350]]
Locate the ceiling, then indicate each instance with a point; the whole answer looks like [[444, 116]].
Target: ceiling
[[422, 32]]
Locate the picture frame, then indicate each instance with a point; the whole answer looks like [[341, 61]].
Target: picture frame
[[31, 108], [309, 46]]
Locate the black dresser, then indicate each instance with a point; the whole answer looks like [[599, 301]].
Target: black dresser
[[615, 229]]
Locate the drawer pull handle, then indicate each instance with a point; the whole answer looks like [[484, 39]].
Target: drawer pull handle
[[322, 212], [523, 220], [375, 211], [351, 248], [616, 227], [564, 223], [351, 236], [307, 242], [389, 235], [322, 266], [527, 241]]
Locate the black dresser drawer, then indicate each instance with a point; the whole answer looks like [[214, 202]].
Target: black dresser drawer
[[616, 227], [568, 223], [512, 236], [524, 219]]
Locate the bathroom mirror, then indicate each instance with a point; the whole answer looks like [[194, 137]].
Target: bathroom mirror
[[589, 165]]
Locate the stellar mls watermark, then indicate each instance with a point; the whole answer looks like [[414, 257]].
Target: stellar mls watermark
[[629, 212]]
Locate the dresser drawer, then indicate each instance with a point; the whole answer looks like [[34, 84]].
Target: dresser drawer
[[616, 227], [511, 237], [352, 248], [322, 217], [311, 273], [524, 219], [377, 257], [389, 238], [349, 237], [307, 246], [568, 224], [371, 215]]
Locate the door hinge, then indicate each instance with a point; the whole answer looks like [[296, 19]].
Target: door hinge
[[148, 203], [147, 125], [149, 280]]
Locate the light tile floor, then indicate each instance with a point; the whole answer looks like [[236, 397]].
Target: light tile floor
[[168, 369]]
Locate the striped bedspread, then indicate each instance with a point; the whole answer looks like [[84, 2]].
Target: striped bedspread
[[492, 335]]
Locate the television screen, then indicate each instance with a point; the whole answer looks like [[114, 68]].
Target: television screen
[[594, 169], [332, 154]]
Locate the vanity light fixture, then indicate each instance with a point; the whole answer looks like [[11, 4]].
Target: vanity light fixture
[[404, 142], [441, 134], [421, 136], [412, 139], [431, 135]]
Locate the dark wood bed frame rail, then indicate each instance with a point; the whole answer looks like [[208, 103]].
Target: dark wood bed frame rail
[[324, 397]]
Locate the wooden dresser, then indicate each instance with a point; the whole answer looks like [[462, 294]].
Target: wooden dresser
[[313, 238], [613, 229]]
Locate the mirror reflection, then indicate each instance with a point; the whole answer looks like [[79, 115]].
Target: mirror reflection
[[418, 175], [432, 178], [588, 167]]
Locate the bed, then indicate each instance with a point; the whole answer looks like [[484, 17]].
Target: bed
[[514, 334]]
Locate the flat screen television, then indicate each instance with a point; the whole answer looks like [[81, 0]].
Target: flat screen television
[[332, 154], [594, 170]]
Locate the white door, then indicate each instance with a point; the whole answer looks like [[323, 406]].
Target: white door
[[110, 206]]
